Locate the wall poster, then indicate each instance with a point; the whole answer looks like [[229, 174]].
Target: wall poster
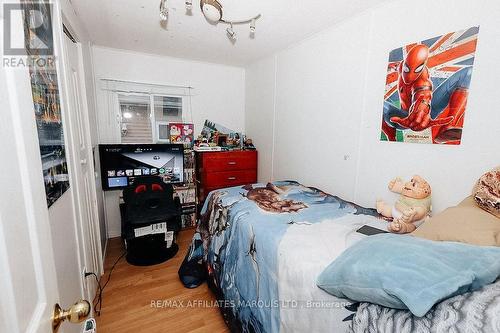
[[181, 133], [46, 100], [427, 87]]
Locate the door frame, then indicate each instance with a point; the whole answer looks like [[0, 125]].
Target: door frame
[[89, 243]]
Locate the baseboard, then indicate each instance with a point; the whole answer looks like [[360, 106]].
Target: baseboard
[[114, 234]]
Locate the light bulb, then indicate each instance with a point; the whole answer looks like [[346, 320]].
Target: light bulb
[[231, 33], [252, 26], [164, 15], [163, 10]]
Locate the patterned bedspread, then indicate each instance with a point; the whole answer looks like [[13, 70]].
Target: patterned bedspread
[[260, 248]]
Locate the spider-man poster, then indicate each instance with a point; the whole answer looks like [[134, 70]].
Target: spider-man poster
[[427, 87]]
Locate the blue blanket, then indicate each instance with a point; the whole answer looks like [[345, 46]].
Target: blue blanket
[[402, 272], [236, 243]]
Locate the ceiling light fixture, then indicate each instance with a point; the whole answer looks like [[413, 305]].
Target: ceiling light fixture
[[212, 10], [163, 10]]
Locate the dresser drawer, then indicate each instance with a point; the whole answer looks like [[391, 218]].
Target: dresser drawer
[[229, 161], [229, 178], [216, 170]]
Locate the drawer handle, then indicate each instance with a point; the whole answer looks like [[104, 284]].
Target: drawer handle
[[231, 178], [231, 163]]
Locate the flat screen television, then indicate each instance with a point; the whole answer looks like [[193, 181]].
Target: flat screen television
[[122, 164]]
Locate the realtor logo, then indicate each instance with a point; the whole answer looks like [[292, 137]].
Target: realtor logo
[[27, 35], [27, 29]]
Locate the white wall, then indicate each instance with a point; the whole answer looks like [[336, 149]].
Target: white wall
[[219, 95], [260, 98], [329, 95], [317, 128]]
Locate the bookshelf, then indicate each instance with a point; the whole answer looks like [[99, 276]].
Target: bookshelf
[[186, 192]]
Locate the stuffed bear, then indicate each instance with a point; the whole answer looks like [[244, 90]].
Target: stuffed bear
[[487, 192], [412, 207]]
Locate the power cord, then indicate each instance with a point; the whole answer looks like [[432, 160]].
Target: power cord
[[98, 295], [98, 305]]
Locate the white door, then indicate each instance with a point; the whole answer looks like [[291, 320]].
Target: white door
[[81, 166], [27, 272], [39, 264]]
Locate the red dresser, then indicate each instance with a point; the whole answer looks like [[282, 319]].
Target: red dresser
[[217, 170]]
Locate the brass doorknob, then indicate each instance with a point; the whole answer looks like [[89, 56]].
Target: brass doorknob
[[77, 313]]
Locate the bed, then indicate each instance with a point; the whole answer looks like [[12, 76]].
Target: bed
[[261, 247]]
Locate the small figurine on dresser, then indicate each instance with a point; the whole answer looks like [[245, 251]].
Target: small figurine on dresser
[[412, 207], [248, 145], [201, 141]]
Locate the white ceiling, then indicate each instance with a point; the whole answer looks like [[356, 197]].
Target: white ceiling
[[135, 25]]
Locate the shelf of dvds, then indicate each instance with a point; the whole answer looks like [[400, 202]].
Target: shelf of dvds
[[187, 191]]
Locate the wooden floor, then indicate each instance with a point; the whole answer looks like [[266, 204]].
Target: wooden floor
[[128, 297]]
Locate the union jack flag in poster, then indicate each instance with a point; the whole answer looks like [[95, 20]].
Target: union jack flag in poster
[[426, 90]]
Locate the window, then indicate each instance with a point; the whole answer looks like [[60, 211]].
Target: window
[[168, 109], [143, 111], [135, 115], [162, 132], [138, 125], [171, 107]]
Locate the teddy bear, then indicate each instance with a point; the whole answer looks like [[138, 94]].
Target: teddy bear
[[412, 207]]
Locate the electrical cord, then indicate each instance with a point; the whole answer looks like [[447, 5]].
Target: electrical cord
[[98, 305], [112, 268], [98, 295]]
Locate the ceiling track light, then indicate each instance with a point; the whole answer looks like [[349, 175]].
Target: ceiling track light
[[212, 10], [163, 10]]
